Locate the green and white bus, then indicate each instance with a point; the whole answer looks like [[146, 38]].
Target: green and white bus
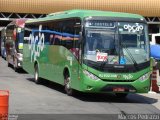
[[89, 51]]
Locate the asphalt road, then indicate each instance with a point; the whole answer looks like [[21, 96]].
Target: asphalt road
[[49, 98]]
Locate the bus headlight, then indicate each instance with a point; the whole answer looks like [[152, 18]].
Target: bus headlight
[[144, 77], [19, 56], [90, 75]]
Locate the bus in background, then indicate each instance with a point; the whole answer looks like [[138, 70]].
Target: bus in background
[[155, 46], [14, 43], [3, 38], [89, 51]]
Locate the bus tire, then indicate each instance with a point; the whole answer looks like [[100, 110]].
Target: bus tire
[[15, 65], [15, 69], [121, 95], [67, 86], [36, 75], [9, 65]]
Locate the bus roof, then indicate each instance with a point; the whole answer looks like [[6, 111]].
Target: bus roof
[[84, 13], [18, 22]]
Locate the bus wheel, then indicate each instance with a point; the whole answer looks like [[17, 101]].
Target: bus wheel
[[9, 65], [121, 95], [36, 75], [67, 85]]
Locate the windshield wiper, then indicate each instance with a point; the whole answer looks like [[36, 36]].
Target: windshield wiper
[[130, 55]]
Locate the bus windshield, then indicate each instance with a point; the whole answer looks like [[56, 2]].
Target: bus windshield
[[134, 42], [116, 43]]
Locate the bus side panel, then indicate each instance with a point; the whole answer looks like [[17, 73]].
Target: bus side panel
[[43, 62], [57, 60], [27, 64], [52, 61], [72, 63]]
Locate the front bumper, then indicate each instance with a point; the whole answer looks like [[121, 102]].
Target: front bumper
[[100, 86], [19, 62], [19, 57]]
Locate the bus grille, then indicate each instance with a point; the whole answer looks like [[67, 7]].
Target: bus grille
[[118, 80]]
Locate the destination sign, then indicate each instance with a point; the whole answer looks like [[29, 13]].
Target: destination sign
[[100, 23]]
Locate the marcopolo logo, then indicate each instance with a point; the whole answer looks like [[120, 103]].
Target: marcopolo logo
[[133, 28]]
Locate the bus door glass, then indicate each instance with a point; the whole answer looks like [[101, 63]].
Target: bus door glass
[[20, 35]]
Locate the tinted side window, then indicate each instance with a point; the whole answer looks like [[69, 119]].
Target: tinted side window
[[52, 32], [157, 40], [71, 29]]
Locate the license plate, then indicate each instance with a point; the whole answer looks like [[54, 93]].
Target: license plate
[[118, 89]]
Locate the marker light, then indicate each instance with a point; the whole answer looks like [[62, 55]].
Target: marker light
[[144, 77], [90, 75]]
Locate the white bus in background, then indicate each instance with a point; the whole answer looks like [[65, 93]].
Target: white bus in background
[[155, 45], [155, 38], [155, 52]]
